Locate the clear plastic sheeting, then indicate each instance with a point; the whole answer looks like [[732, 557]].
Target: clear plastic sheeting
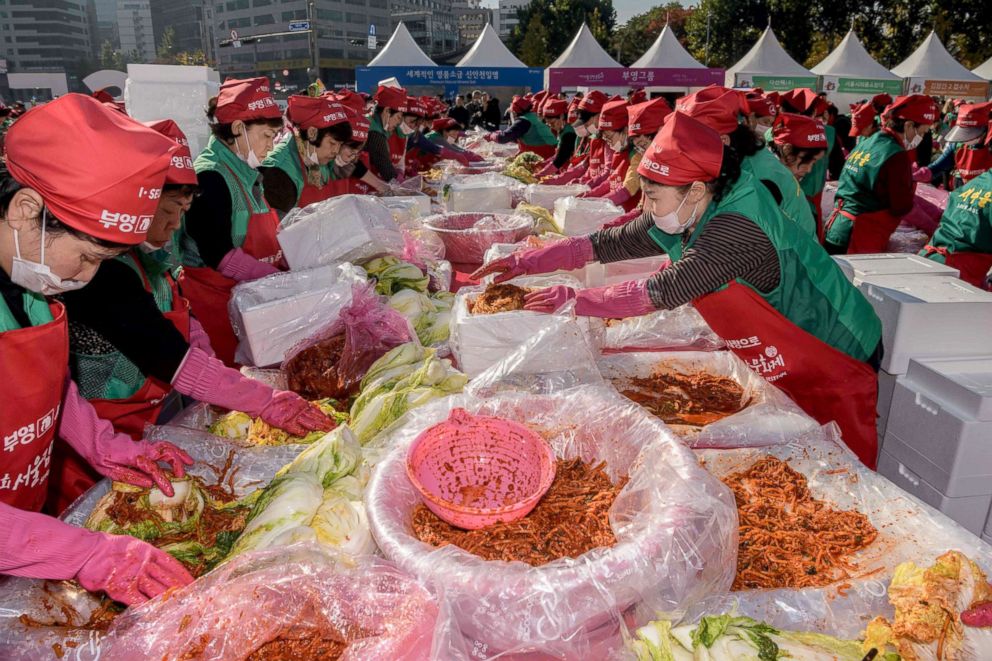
[[467, 236], [578, 216], [479, 341], [675, 525], [769, 417], [347, 228], [300, 591], [271, 314], [909, 530], [480, 192], [43, 600], [907, 239], [613, 273], [545, 195], [501, 250], [682, 328], [418, 203]]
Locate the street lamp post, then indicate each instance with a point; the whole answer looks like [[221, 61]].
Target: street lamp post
[[314, 47]]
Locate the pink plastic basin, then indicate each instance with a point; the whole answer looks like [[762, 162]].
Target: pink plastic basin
[[475, 471]]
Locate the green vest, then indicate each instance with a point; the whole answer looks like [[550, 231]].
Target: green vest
[[565, 131], [112, 375], [286, 157], [966, 225], [435, 137], [538, 134], [36, 308], [375, 124], [812, 184], [813, 292], [795, 207], [857, 180], [217, 157]]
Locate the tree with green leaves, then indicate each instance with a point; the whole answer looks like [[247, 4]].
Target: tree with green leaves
[[562, 19], [632, 39], [167, 47], [534, 46]]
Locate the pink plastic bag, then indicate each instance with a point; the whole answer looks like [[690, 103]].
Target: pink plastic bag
[[370, 328], [288, 592]]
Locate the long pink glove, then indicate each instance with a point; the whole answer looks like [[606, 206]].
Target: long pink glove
[[447, 153], [207, 379], [627, 299], [593, 182], [127, 569], [980, 615], [198, 337], [573, 253], [922, 175], [619, 221], [601, 189], [240, 266], [115, 455], [547, 170], [569, 175], [619, 196]]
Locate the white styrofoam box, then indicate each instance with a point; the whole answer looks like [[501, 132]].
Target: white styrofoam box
[[420, 202], [886, 384], [544, 195], [963, 384], [578, 216], [479, 341], [602, 275], [347, 228], [857, 267], [271, 314], [951, 451], [478, 192], [500, 250], [928, 316], [969, 511], [988, 524], [179, 93]]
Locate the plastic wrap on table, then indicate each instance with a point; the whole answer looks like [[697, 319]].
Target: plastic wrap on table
[[297, 591], [467, 236], [421, 246], [441, 274], [545, 196], [346, 228], [480, 192], [370, 328], [272, 314], [479, 341], [43, 601], [578, 216], [907, 239], [769, 418], [675, 525], [682, 328], [909, 530]]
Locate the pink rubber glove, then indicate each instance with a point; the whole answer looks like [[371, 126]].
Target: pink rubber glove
[[240, 266], [473, 157], [922, 175], [452, 155], [979, 616], [128, 570], [198, 337], [208, 380], [602, 189], [490, 137], [569, 175], [627, 299], [620, 221], [115, 455], [619, 196], [573, 253], [594, 182], [547, 170]]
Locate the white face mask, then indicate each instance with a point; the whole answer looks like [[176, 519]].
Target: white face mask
[[310, 158], [37, 276], [581, 130], [341, 161], [915, 142], [670, 224], [404, 129], [149, 248], [618, 145], [251, 159]]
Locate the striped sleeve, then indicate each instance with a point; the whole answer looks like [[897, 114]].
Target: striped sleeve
[[629, 241], [728, 248], [377, 147]]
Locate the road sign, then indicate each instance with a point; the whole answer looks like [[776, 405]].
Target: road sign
[[371, 29], [372, 44], [299, 26], [235, 42]]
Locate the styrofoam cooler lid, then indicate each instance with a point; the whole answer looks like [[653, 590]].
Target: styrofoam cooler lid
[[917, 288], [861, 266], [964, 384]]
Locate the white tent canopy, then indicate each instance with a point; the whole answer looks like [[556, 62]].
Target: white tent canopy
[[489, 51], [666, 53], [585, 53], [401, 51], [767, 59], [851, 60], [984, 70], [931, 61]]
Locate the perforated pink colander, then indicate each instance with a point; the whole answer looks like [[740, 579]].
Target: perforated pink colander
[[474, 471]]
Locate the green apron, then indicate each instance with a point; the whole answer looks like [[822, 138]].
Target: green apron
[[538, 135], [794, 205]]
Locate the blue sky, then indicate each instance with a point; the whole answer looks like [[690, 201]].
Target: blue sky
[[625, 8]]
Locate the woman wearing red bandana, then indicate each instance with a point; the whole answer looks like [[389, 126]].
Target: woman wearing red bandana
[[761, 282], [60, 217]]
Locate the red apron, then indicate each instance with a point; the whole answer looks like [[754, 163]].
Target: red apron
[[970, 163], [597, 159], [397, 151], [619, 168], [311, 193], [973, 265], [35, 363], [544, 151], [826, 383], [870, 232], [581, 153], [209, 292]]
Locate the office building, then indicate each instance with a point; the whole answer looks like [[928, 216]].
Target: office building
[[431, 23], [135, 30], [508, 16], [48, 37], [471, 17]]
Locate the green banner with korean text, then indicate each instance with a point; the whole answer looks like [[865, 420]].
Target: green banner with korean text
[[869, 86], [778, 83]]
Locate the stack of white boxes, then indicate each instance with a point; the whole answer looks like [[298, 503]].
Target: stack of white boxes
[[859, 267], [937, 435]]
